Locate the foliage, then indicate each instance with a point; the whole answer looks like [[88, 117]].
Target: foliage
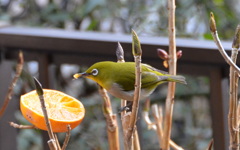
[[147, 17]]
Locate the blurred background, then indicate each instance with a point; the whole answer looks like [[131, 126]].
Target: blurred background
[[191, 121]]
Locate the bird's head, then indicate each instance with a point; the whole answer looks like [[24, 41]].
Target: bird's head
[[97, 72]]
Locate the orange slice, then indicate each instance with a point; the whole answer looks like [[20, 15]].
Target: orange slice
[[62, 110]]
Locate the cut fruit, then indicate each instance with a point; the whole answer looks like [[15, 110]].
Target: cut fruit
[[62, 110]]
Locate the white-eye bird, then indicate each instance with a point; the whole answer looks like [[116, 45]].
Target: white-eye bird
[[119, 78]]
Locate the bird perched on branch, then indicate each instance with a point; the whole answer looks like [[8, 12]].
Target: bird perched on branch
[[119, 78]]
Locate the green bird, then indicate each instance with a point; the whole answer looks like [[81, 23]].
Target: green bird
[[119, 78]]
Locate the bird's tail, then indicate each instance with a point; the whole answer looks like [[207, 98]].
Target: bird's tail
[[178, 79]]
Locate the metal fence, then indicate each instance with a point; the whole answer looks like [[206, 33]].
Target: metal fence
[[51, 46]]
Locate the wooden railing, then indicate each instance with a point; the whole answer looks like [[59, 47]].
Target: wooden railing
[[51, 46]]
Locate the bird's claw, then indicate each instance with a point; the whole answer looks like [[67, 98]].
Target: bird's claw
[[125, 108]]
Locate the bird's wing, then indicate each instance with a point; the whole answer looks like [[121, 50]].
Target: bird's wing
[[151, 79], [126, 81], [154, 69]]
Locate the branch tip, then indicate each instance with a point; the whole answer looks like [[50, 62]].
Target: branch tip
[[120, 53], [212, 23], [38, 86], [236, 40], [136, 47]]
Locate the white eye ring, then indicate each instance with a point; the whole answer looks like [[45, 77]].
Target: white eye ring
[[94, 72]]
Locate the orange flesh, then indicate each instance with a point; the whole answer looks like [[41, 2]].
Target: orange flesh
[[62, 110]]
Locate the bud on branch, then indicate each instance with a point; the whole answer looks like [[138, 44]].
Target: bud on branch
[[136, 47]]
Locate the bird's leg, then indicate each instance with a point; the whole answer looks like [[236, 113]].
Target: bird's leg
[[127, 108]]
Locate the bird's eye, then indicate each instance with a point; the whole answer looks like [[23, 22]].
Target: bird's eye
[[94, 72]]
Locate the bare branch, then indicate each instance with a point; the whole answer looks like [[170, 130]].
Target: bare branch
[[18, 126], [220, 47], [172, 70], [111, 120], [233, 96], [137, 53], [52, 141], [233, 120], [68, 134], [210, 145], [13, 83]]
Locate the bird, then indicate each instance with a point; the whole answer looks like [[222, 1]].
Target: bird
[[119, 78]]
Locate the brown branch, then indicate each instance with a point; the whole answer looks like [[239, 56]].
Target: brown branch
[[238, 114], [157, 113], [18, 126], [233, 96], [57, 142], [52, 142], [216, 39], [137, 53], [172, 70], [68, 134], [210, 145], [8, 97], [233, 87], [157, 125], [125, 125], [111, 120], [136, 143]]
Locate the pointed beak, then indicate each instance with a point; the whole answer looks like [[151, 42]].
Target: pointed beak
[[80, 75]]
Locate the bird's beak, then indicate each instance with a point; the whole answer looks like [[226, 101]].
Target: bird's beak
[[79, 75]]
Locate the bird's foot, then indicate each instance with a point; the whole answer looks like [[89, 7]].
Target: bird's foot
[[126, 108]]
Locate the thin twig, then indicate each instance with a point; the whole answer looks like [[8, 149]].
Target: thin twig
[[18, 126], [158, 120], [46, 118], [8, 97], [137, 53], [152, 125], [157, 112], [210, 145], [67, 138], [172, 70], [57, 142], [234, 76], [216, 39]]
